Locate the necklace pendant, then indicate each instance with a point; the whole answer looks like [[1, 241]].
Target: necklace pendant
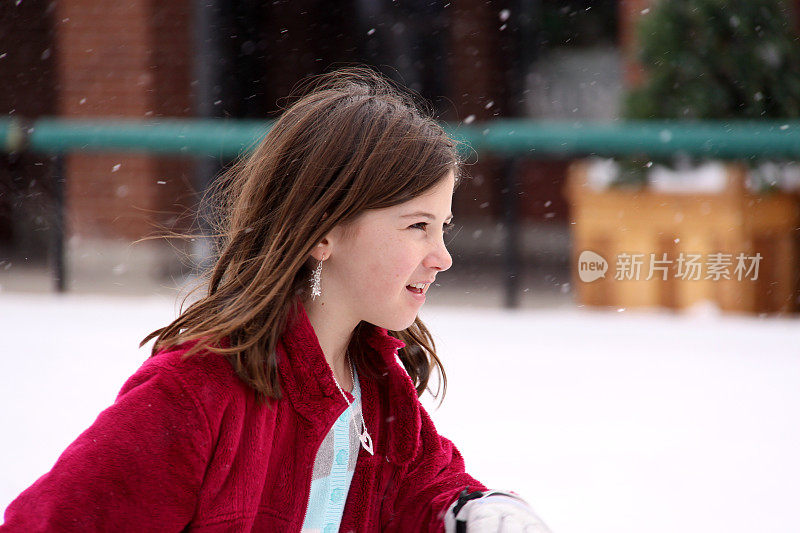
[[366, 441]]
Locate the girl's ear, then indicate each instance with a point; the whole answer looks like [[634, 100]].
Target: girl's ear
[[322, 250]]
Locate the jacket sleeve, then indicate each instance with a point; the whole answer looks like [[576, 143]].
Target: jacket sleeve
[[429, 484], [138, 467]]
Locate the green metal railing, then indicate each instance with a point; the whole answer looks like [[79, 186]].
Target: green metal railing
[[222, 138], [513, 139], [508, 137]]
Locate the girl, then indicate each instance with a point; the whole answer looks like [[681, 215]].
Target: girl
[[286, 399]]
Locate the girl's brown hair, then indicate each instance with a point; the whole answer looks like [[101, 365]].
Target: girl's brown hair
[[353, 141]]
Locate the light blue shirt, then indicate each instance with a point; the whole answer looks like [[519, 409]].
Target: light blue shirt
[[334, 465]]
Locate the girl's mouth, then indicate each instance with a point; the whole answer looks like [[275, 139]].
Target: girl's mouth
[[417, 294]]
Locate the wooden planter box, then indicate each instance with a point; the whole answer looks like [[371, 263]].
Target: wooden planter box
[[618, 221]]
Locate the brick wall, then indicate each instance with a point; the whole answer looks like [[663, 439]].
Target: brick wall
[[629, 12], [124, 59], [476, 79]]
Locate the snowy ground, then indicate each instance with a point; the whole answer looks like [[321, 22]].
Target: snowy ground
[[606, 422]]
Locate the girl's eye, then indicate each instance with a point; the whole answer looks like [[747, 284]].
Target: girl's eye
[[422, 225]]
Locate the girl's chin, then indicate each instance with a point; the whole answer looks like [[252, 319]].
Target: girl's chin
[[399, 323]]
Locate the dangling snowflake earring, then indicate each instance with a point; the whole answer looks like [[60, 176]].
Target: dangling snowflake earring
[[315, 281]]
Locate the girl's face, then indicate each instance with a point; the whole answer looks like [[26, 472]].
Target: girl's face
[[367, 274]]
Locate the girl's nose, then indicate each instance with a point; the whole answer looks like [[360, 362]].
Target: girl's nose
[[440, 259]]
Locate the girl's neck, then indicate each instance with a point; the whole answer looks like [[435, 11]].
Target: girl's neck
[[334, 338]]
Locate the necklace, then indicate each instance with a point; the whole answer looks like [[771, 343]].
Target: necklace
[[363, 435]]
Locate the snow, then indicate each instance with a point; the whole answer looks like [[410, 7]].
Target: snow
[[707, 177], [604, 421], [601, 173]]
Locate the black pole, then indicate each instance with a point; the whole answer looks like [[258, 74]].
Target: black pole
[[57, 242], [210, 65], [512, 257], [523, 23]]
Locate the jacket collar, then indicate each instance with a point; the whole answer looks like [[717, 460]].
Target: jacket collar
[[309, 385]]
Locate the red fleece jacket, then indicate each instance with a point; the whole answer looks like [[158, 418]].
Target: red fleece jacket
[[185, 446]]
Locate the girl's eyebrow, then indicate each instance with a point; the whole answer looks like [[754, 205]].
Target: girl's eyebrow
[[424, 214]]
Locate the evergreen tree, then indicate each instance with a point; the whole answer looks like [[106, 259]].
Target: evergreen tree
[[715, 59]]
